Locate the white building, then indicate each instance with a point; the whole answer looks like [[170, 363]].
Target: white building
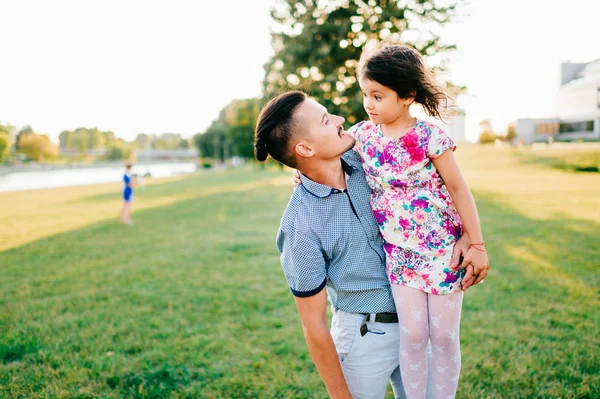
[[456, 127], [455, 124], [578, 108]]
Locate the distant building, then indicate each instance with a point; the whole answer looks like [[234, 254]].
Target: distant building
[[456, 127], [578, 108]]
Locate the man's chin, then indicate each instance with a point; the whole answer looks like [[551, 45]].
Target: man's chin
[[351, 144]]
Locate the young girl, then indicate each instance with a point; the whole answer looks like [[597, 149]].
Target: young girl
[[422, 204], [127, 195]]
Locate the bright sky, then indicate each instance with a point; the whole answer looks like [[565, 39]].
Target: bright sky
[[134, 66]]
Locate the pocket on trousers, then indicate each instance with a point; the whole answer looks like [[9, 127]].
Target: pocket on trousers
[[345, 334]]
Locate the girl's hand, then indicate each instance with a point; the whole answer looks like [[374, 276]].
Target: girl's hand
[[476, 257], [460, 249], [296, 180]]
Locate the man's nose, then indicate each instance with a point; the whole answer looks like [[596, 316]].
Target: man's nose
[[340, 120]]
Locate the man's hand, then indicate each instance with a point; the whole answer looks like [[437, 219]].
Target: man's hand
[[313, 313]]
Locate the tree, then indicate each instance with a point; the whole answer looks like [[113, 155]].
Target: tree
[[4, 146], [37, 146], [143, 141], [5, 131], [83, 139], [511, 133], [240, 117], [318, 44], [209, 143], [120, 150], [487, 134], [232, 133], [25, 131]]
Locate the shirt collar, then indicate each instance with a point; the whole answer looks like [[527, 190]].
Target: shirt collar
[[320, 190]]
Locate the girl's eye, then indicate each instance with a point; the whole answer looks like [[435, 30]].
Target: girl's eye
[[377, 98], [327, 121]]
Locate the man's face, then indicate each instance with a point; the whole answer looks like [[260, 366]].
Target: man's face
[[324, 132]]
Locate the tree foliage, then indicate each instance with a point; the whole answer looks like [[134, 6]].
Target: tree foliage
[[3, 146], [37, 146], [5, 131], [511, 133], [84, 139], [318, 44], [119, 152], [232, 133], [487, 134]]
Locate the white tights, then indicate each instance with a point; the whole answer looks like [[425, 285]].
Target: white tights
[[423, 317]]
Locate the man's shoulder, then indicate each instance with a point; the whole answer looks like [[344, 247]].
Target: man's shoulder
[[296, 212], [352, 158]]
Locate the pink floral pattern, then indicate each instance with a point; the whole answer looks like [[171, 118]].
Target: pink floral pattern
[[411, 204]]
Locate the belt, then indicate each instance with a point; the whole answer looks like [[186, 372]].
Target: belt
[[384, 317]]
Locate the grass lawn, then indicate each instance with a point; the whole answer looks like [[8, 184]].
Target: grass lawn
[[583, 157], [190, 302]]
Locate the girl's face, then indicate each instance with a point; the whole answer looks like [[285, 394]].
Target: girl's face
[[382, 103]]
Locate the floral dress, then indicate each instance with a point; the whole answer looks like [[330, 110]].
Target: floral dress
[[411, 204]]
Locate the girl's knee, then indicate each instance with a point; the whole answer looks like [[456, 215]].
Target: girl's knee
[[444, 339], [417, 340]]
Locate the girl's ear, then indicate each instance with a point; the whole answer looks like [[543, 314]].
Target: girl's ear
[[411, 98]]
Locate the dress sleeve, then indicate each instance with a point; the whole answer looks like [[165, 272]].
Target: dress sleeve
[[126, 179], [355, 130], [439, 142]]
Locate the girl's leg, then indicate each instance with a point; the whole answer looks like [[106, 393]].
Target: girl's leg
[[411, 305], [444, 325], [123, 209], [126, 212]]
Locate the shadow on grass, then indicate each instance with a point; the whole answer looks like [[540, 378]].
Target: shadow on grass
[[191, 302]]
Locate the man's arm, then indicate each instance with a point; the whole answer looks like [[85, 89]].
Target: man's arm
[[313, 312]]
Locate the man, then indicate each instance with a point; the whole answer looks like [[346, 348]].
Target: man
[[331, 247]]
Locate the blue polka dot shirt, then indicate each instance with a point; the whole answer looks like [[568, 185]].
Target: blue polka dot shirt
[[329, 238]]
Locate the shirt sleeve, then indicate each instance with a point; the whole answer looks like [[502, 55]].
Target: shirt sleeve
[[303, 262], [439, 142]]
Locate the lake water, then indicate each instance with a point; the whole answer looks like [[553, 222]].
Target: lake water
[[76, 177]]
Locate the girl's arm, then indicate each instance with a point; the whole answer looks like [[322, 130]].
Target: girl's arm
[[465, 205]]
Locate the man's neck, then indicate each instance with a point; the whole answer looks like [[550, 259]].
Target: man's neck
[[329, 173]]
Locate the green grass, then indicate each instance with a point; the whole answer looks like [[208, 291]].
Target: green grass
[[190, 302], [584, 157]]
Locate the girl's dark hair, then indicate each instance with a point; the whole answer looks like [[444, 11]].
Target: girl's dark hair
[[275, 127], [402, 69]]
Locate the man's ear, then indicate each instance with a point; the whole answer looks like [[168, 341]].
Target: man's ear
[[304, 150]]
